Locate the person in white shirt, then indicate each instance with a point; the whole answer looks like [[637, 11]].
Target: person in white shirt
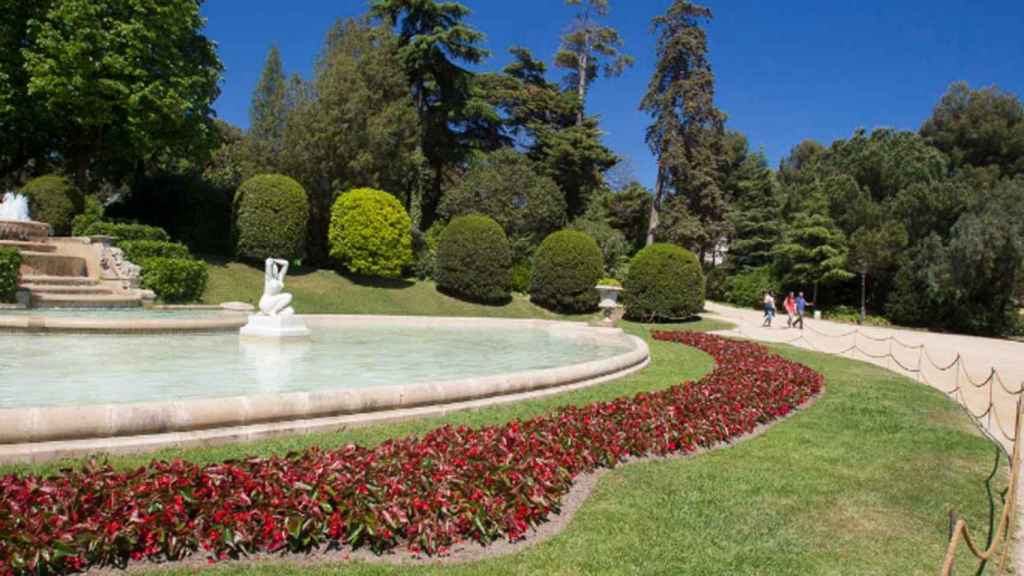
[[769, 309]]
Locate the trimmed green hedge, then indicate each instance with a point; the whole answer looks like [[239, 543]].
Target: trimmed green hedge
[[370, 233], [126, 232], [665, 282], [10, 266], [54, 200], [270, 214], [175, 280], [139, 250], [474, 260], [566, 268]]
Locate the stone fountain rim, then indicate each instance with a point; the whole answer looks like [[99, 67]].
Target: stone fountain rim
[[44, 433]]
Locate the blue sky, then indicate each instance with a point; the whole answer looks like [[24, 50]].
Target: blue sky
[[785, 71]]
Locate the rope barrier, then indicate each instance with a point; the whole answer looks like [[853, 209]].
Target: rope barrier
[[961, 532], [889, 358]]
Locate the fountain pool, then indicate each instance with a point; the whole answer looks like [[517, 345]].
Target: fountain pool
[[61, 388]]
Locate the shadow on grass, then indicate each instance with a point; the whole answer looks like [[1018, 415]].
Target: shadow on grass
[[373, 282], [463, 298]]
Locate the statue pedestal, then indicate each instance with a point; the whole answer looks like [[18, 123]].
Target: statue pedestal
[[261, 326]]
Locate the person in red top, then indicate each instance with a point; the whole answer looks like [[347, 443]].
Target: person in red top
[[790, 305]]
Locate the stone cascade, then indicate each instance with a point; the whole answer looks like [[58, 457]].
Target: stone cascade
[[71, 272]]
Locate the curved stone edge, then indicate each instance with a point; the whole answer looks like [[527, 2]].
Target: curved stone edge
[[29, 323], [40, 434]]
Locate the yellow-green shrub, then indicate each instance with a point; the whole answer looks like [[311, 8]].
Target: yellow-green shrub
[[370, 233]]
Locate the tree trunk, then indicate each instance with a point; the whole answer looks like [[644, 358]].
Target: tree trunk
[[652, 222], [581, 85]]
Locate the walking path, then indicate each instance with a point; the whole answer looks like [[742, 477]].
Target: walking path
[[984, 374]]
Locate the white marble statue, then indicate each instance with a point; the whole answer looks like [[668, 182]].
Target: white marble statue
[[14, 207], [274, 302]]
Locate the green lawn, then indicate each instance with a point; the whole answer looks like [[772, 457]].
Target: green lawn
[[858, 484], [327, 292]]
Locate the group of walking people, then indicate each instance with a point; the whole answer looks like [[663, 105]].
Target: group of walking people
[[795, 307]]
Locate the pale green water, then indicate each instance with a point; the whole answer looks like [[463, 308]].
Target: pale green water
[[76, 369]]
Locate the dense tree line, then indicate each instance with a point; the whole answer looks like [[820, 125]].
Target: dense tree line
[[117, 95], [931, 221]]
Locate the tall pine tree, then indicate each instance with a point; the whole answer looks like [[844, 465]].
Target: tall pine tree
[[269, 109], [755, 217], [687, 128], [813, 250], [433, 40], [589, 49]]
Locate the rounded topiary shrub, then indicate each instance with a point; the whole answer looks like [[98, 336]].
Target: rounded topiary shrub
[[566, 268], [271, 212], [474, 260], [54, 200], [370, 233], [665, 282], [175, 280]]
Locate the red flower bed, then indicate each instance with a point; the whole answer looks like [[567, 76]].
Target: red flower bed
[[427, 492]]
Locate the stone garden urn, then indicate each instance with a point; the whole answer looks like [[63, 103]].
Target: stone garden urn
[[609, 294]]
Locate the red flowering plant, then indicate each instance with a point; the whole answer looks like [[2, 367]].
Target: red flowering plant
[[426, 493]]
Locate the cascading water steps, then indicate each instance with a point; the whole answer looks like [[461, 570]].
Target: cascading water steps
[[59, 272]]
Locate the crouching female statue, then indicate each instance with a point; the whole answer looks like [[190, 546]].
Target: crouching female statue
[[274, 302]]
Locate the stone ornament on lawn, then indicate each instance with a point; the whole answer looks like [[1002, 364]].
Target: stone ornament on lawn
[[609, 294], [276, 318]]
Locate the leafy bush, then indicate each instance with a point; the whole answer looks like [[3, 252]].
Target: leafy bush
[[505, 479], [665, 282], [54, 200], [10, 267], [747, 289], [566, 268], [424, 247], [474, 260], [613, 243], [123, 232], [370, 233], [507, 186], [609, 282], [174, 279], [522, 271], [271, 212], [92, 214], [139, 250], [850, 315]]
